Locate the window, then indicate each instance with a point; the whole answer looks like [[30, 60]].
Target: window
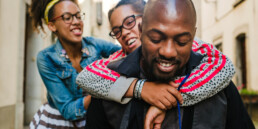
[[218, 43], [241, 61], [219, 46]]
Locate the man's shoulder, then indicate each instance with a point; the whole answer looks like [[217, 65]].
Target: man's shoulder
[[195, 60], [196, 56], [113, 65]]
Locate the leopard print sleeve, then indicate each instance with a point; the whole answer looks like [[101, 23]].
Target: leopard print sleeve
[[98, 80], [211, 76]]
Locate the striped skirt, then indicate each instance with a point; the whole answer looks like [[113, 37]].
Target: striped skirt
[[50, 118]]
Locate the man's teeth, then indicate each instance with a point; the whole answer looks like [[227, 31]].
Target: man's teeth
[[131, 41], [165, 64]]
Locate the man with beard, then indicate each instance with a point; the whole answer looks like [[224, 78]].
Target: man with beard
[[168, 30]]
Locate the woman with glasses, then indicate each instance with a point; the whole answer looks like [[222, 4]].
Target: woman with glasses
[[207, 79], [60, 63]]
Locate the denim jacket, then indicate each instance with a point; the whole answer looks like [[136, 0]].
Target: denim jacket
[[59, 76]]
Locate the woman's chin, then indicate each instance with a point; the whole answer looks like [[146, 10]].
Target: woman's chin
[[77, 40]]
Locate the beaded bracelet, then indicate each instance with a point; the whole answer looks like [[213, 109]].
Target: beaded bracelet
[[134, 92], [138, 88]]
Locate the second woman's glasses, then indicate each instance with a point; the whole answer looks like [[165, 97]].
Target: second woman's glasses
[[128, 23]]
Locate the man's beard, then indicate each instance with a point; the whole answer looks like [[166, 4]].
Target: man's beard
[[163, 77]]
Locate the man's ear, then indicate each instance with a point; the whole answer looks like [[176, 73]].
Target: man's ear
[[140, 29], [195, 30], [51, 27]]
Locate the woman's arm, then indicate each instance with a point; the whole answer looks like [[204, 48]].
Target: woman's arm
[[196, 88], [70, 107], [110, 85], [211, 76]]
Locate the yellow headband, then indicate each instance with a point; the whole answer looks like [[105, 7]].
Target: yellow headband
[[49, 6]]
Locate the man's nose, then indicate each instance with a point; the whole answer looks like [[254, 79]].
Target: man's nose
[[168, 49]]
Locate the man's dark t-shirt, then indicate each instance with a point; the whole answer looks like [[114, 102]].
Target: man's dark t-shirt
[[236, 116]]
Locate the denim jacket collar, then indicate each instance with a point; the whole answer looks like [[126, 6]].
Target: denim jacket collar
[[62, 53]]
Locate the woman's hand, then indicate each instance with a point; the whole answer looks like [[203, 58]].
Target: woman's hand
[[154, 118], [162, 95], [86, 101]]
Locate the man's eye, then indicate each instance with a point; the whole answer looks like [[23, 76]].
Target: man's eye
[[182, 43], [155, 37], [183, 40], [155, 40]]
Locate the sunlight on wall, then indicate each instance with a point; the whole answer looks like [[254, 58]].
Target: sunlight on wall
[[80, 1]]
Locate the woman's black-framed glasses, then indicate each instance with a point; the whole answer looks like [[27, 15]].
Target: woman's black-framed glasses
[[68, 17], [128, 23]]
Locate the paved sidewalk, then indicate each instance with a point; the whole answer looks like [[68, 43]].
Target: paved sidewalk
[[256, 124]]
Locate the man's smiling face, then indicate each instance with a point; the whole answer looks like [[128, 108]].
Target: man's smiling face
[[167, 37]]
